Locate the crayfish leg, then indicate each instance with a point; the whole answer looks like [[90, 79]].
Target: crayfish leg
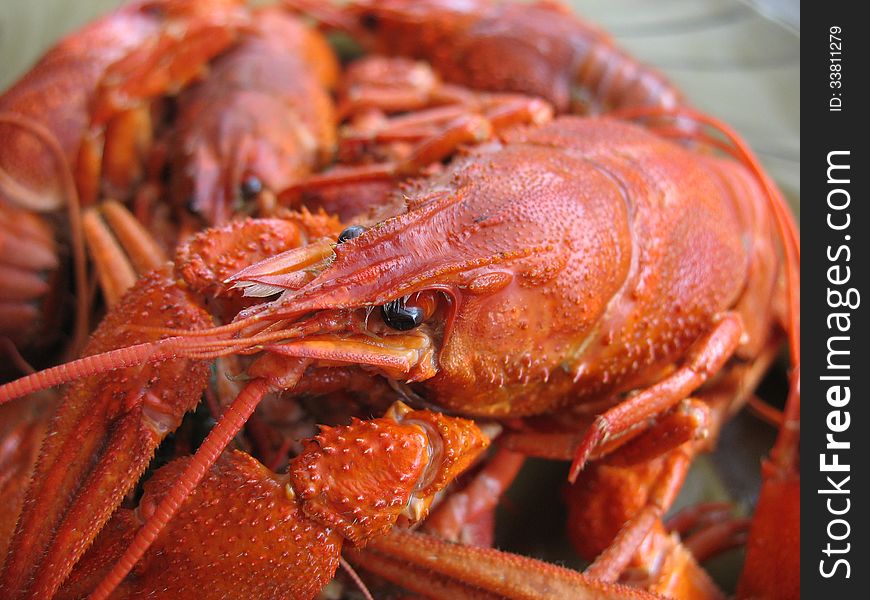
[[706, 358], [772, 567], [120, 248], [434, 134], [709, 529], [103, 436], [166, 61], [616, 502], [143, 251], [678, 574], [632, 500], [462, 510], [436, 568], [284, 535], [613, 561], [23, 425]]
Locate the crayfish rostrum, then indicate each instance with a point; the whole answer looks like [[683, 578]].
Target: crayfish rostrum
[[586, 288]]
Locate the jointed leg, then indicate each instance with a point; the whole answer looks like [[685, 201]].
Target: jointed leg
[[705, 359], [482, 495], [121, 249]]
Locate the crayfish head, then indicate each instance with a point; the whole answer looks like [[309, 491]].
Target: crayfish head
[[242, 135], [362, 478], [237, 151], [341, 304], [517, 251]]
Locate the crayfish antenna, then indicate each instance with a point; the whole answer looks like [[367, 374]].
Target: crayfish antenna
[[77, 369], [96, 364], [104, 432], [178, 346], [229, 425], [357, 580]]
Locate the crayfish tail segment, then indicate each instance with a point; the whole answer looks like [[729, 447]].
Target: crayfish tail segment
[[29, 276], [60, 176], [430, 566]]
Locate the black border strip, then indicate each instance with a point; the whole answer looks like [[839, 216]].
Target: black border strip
[[829, 254]]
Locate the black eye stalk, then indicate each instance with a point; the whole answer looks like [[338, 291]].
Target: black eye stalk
[[400, 317], [354, 231], [251, 187]]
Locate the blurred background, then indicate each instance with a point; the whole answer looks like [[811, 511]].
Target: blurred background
[[737, 60]]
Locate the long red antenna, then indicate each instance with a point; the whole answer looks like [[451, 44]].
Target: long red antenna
[[229, 425]]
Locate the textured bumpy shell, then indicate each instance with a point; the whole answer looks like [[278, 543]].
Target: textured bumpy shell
[[240, 535], [583, 258], [114, 421], [97, 72], [249, 532], [338, 485], [263, 111], [536, 48]]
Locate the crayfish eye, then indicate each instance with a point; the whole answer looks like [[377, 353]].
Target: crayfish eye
[[370, 21], [251, 187], [354, 231], [410, 311], [401, 317]]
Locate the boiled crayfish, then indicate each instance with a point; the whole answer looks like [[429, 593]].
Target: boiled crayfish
[[203, 99], [559, 282], [586, 270]]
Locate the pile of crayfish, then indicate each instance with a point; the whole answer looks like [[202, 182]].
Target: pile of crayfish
[[342, 299]]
